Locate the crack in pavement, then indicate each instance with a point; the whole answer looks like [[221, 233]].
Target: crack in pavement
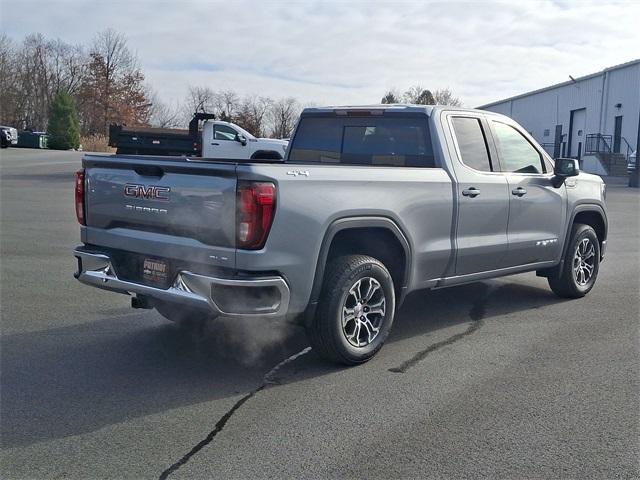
[[476, 314], [268, 379], [418, 357]]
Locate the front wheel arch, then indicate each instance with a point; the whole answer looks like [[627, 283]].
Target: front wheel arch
[[586, 214], [566, 283]]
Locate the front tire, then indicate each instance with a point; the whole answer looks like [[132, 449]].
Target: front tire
[[355, 311], [581, 265]]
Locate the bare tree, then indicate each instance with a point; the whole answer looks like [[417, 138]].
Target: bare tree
[[8, 81], [283, 115], [252, 114], [32, 74], [226, 104], [199, 99], [444, 96], [67, 66], [32, 82], [164, 115]]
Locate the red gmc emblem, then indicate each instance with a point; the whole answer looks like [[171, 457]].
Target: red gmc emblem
[[148, 192]]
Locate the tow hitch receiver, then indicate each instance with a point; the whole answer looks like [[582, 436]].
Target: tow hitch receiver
[[140, 301]]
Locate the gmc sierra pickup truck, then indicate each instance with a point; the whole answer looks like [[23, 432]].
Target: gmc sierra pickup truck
[[369, 203]]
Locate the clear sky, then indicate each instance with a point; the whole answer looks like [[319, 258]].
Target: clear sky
[[348, 52]]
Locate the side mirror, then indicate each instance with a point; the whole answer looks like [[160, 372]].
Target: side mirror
[[242, 139], [564, 168]]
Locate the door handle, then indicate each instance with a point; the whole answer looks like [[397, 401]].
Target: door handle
[[471, 192], [215, 143], [519, 192]]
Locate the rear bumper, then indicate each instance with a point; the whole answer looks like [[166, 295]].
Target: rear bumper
[[230, 297]]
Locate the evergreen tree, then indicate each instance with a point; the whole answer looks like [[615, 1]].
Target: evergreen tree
[[64, 129], [390, 97]]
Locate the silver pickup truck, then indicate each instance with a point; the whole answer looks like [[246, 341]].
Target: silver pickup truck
[[369, 204]]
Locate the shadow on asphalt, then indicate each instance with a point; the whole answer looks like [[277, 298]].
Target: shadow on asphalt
[[59, 177], [77, 379]]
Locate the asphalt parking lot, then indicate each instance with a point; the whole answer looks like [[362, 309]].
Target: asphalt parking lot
[[497, 379]]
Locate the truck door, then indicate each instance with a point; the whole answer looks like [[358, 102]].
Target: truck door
[[537, 212], [224, 144], [482, 196]]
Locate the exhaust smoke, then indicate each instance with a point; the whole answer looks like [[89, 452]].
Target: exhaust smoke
[[251, 342]]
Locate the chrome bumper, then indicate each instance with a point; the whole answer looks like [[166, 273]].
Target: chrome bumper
[[191, 289]]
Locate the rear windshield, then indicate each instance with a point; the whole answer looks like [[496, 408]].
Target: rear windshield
[[371, 140]]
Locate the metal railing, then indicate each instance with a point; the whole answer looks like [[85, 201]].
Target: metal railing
[[629, 149], [597, 143]]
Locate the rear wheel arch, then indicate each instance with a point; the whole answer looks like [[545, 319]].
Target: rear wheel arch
[[356, 310], [378, 237]]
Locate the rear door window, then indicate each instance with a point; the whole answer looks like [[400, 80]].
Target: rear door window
[[472, 143], [371, 140]]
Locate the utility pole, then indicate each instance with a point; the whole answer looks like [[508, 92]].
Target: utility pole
[[634, 178]]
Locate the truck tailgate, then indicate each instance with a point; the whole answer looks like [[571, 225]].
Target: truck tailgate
[[191, 201]]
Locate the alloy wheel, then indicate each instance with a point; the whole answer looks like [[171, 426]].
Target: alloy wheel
[[363, 312], [584, 262]]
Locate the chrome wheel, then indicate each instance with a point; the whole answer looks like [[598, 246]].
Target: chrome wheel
[[584, 262], [363, 312]]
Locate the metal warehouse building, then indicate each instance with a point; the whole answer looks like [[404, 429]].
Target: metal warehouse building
[[595, 118]]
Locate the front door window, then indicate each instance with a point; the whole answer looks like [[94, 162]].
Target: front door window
[[222, 132], [517, 155]]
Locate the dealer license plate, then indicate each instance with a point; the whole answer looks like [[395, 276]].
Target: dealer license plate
[[155, 271]]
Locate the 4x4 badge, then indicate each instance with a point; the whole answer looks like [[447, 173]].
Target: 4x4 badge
[[295, 173]]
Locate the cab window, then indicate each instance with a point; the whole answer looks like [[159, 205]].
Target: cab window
[[222, 132]]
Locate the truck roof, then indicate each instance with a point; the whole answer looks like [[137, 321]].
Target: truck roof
[[391, 107]]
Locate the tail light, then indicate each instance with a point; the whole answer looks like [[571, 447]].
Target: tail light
[[80, 213], [255, 210]]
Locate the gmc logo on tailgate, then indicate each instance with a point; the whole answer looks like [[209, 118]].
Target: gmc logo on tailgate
[[148, 192]]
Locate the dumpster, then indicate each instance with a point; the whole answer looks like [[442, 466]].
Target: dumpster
[[28, 139]]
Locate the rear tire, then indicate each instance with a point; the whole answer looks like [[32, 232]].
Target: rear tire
[[185, 317], [581, 264], [355, 311]]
